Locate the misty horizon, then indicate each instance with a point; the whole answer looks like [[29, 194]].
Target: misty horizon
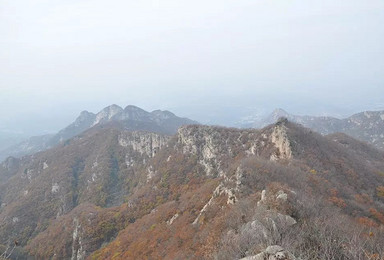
[[218, 62]]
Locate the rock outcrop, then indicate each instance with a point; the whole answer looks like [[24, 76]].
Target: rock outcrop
[[280, 138], [274, 252], [143, 142], [209, 143], [214, 145]]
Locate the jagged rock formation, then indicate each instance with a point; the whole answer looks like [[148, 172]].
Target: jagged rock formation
[[211, 144], [280, 139], [366, 126], [265, 226], [131, 118]]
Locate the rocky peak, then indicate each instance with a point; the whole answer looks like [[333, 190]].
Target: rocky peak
[[84, 116], [131, 118], [278, 113], [135, 113], [134, 108], [282, 120], [114, 108], [107, 113], [163, 115], [366, 126]]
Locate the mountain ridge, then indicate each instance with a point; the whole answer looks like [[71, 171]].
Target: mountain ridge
[[131, 117], [187, 196], [367, 126]]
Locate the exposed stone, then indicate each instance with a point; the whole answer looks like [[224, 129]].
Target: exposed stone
[[144, 143], [280, 138], [239, 176], [263, 198], [257, 228], [95, 164], [212, 144], [274, 252], [267, 223], [78, 253], [281, 195], [150, 173], [55, 188], [202, 141], [171, 220], [221, 189], [263, 195], [280, 255], [285, 220], [45, 165], [271, 250], [260, 256]]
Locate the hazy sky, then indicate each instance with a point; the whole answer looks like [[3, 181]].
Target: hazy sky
[[213, 60]]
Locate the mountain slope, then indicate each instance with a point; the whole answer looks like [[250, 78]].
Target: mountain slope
[[132, 118], [365, 126], [205, 193], [93, 167]]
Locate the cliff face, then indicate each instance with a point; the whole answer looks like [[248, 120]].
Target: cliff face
[[210, 144], [144, 143], [280, 138], [214, 145]]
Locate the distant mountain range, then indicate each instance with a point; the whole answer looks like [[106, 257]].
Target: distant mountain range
[[130, 118], [366, 126]]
